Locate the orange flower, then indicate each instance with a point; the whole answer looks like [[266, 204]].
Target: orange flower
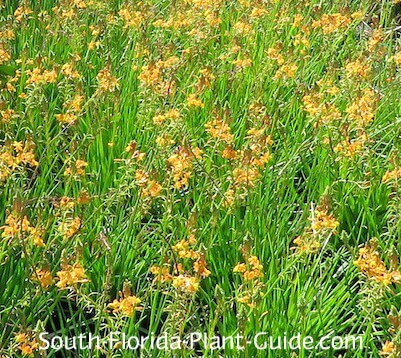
[[200, 267], [71, 275], [186, 284], [125, 305], [220, 130], [250, 271], [107, 82], [43, 277], [388, 349], [16, 226], [26, 344], [370, 264], [330, 23], [70, 227]]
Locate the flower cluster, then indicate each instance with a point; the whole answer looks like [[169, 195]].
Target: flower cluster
[[183, 280], [181, 165], [391, 175], [127, 304], [251, 270], [330, 23], [322, 225], [370, 264], [107, 82], [77, 169], [149, 187], [27, 343], [43, 277], [362, 110], [70, 275], [16, 155], [40, 76], [19, 227], [70, 226]]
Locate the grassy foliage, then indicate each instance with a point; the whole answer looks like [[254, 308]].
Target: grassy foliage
[[194, 165]]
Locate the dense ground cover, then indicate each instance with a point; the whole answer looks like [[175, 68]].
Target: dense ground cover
[[226, 167]]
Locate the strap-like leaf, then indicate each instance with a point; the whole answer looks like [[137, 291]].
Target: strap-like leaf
[[7, 70]]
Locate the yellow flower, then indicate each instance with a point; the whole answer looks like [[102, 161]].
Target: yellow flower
[[388, 348], [183, 250], [376, 39], [12, 227], [194, 101], [251, 271], [247, 300], [397, 58], [141, 177], [70, 227], [348, 148], [66, 118], [297, 20], [22, 12], [35, 235], [323, 221], [75, 103], [186, 284], [258, 12], [200, 267], [301, 40], [49, 76], [305, 244], [135, 153], [7, 115], [16, 155], [26, 344], [68, 71], [331, 23], [241, 267], [43, 277], [66, 203], [153, 189], [219, 129], [391, 175], [311, 104], [229, 153], [242, 28], [162, 273], [149, 188], [254, 262], [245, 176], [150, 75], [71, 275], [181, 166], [206, 78], [16, 225], [125, 305], [357, 68], [370, 264], [78, 168], [242, 63], [83, 197], [131, 18], [170, 62], [362, 110], [4, 56], [286, 71], [172, 114], [274, 54], [252, 275], [107, 82]]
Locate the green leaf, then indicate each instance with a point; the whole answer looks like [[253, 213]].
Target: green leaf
[[7, 70]]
